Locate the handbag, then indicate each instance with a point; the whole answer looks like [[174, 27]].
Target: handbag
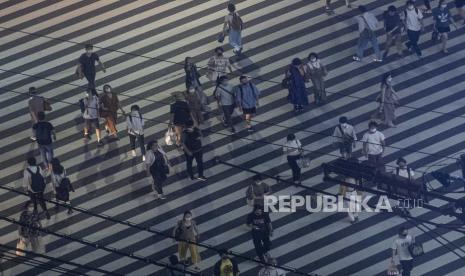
[[303, 162], [285, 83], [250, 201], [170, 136], [178, 232], [221, 37], [367, 32], [392, 269], [416, 249], [47, 106], [21, 245]]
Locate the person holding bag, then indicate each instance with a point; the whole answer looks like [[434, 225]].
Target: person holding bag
[[400, 247], [367, 25], [256, 192], [186, 230], [61, 184], [344, 137], [156, 164], [316, 72], [233, 26], [27, 235], [109, 105], [293, 149], [388, 100], [135, 126]]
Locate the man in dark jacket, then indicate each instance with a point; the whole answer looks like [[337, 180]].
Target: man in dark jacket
[[225, 265]]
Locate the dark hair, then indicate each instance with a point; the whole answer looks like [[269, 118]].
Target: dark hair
[[410, 2], [219, 48], [93, 92], [223, 251], [231, 7], [362, 8], [384, 78], [296, 61], [290, 137], [392, 8], [401, 230], [174, 260], [222, 78], [32, 161], [440, 2], [57, 168], [185, 63], [400, 160], [242, 77], [107, 85], [135, 107], [343, 120], [312, 54], [41, 115], [89, 46], [186, 213], [256, 207], [150, 144], [32, 90], [372, 123], [257, 177], [27, 204]]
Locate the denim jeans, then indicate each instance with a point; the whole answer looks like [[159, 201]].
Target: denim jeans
[[362, 44], [198, 156], [235, 39], [46, 151], [413, 37], [228, 111]]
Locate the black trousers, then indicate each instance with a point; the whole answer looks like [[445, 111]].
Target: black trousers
[[262, 243], [427, 4], [228, 111], [157, 185], [292, 161], [90, 76], [413, 37], [407, 266], [38, 198], [198, 159], [132, 141]]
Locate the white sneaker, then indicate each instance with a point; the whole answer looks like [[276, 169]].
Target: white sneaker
[[33, 138], [143, 158], [133, 153]]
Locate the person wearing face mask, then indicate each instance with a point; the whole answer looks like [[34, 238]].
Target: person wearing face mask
[[367, 25], [247, 100], [400, 248], [316, 72], [217, 65], [86, 66], [194, 106], [388, 100], [443, 19], [373, 145], [156, 165], [193, 80], [344, 136], [91, 115], [135, 126], [260, 224], [393, 27], [460, 6], [192, 145], [226, 266], [256, 191], [184, 231], [109, 105], [233, 26], [297, 90], [403, 170], [225, 94], [27, 235], [413, 21]]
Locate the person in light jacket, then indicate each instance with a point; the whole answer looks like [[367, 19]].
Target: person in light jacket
[[135, 126], [91, 115]]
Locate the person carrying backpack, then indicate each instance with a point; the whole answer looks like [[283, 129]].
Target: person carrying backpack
[[27, 235], [247, 100], [233, 26], [44, 131], [225, 95], [61, 184], [135, 126], [413, 22], [157, 165], [91, 104], [37, 104], [367, 25], [34, 182]]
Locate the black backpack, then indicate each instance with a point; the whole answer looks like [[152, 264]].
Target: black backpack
[[43, 134], [159, 164], [37, 181]]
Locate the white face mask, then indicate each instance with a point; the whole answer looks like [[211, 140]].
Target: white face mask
[[444, 6], [373, 129], [313, 60], [410, 7], [89, 52], [344, 125], [188, 218], [30, 210]]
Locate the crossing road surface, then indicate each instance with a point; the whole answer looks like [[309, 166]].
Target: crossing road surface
[[143, 45]]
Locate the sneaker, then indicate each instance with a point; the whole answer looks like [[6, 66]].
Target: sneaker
[[33, 138], [233, 130], [377, 60], [133, 153], [250, 129], [356, 58], [100, 143], [162, 196], [87, 136], [349, 6], [47, 214], [143, 158], [203, 178], [70, 211], [192, 177]]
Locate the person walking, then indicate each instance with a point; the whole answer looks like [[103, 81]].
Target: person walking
[[28, 236], [367, 25], [34, 183], [226, 98], [393, 27], [344, 136], [36, 104], [193, 80], [373, 145], [256, 192], [330, 10], [316, 72], [44, 132], [186, 231], [400, 248], [156, 164], [233, 26], [192, 145], [442, 21], [181, 115], [355, 200], [247, 95], [195, 107], [226, 266], [260, 224], [86, 66], [135, 125], [91, 115], [61, 184], [270, 269], [109, 105], [293, 149], [403, 170], [297, 90], [217, 65], [413, 22], [460, 6], [388, 100]]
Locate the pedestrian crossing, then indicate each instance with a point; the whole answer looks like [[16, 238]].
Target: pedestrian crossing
[[143, 44]]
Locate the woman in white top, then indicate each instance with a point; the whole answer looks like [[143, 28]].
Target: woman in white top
[[293, 150], [60, 188], [158, 176], [135, 126], [233, 27], [91, 115]]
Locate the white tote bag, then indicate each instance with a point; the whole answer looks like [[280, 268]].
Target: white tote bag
[[170, 137]]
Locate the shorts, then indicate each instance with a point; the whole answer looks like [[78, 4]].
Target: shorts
[[92, 122], [459, 3], [442, 30], [252, 110]]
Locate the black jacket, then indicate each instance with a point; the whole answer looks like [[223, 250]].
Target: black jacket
[[191, 75]]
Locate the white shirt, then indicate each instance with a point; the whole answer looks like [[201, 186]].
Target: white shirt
[[292, 147], [413, 20], [401, 247], [373, 141], [404, 173], [135, 123], [92, 104]]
